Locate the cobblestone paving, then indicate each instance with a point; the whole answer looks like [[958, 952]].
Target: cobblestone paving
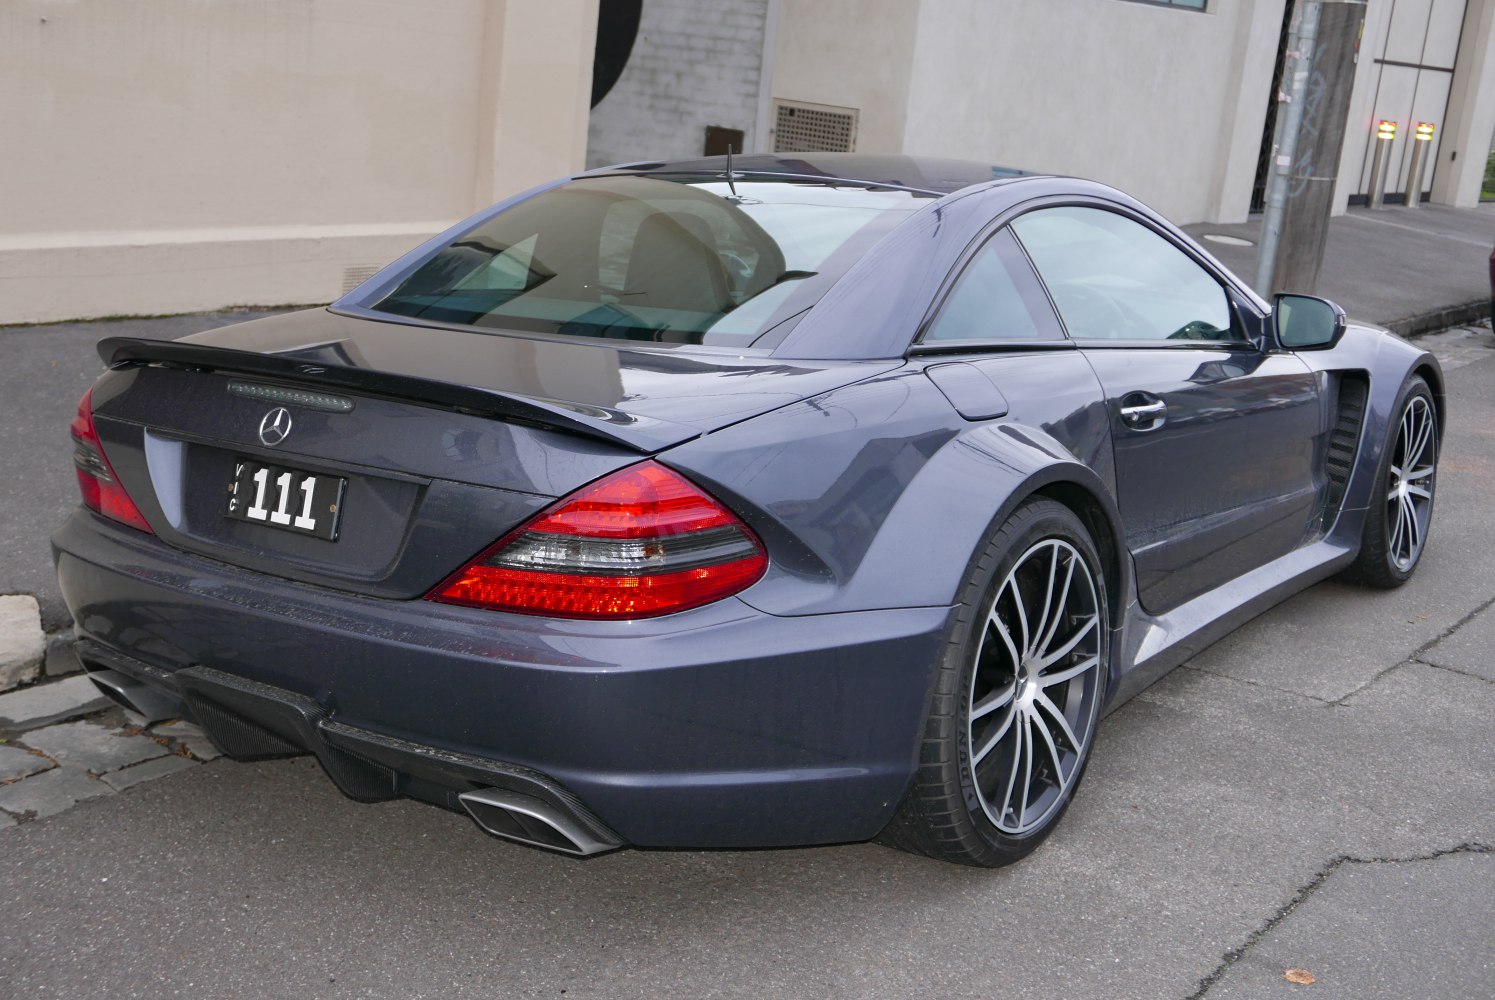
[[62, 743]]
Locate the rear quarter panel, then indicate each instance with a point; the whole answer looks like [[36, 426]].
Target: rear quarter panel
[[877, 495]]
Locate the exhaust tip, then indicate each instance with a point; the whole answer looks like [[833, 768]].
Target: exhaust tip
[[128, 693], [528, 820]]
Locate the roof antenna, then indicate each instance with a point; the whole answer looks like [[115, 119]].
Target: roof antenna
[[731, 177]]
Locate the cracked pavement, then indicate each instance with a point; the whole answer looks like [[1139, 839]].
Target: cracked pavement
[[1314, 792], [1360, 905]]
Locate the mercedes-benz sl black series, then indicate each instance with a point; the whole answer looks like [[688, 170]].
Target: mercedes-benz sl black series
[[786, 501]]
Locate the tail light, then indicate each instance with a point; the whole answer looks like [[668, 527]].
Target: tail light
[[101, 488], [639, 543]]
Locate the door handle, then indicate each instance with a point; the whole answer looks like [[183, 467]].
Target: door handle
[[1147, 413]]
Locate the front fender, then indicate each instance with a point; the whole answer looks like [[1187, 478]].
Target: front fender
[[1386, 361]]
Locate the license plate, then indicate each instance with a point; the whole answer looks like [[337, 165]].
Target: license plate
[[307, 503]]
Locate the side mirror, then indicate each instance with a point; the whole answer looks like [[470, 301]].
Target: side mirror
[[1306, 323]]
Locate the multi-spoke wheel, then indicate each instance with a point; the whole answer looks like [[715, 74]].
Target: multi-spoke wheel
[[1017, 696], [1409, 494], [1033, 689], [1396, 525]]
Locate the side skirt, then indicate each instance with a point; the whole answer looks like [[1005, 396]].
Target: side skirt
[[1153, 645]]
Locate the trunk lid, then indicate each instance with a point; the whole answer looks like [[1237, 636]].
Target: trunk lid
[[439, 441]]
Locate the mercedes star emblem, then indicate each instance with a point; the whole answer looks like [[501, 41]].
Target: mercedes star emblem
[[275, 426]]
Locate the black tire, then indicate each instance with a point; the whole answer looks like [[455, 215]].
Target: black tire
[[953, 810], [1389, 553]]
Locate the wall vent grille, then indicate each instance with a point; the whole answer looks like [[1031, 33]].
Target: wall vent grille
[[813, 128], [355, 276]]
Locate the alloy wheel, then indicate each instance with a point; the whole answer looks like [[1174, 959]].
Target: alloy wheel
[[1409, 495], [1035, 687]]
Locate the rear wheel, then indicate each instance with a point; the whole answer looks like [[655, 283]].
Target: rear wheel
[[1401, 509], [1016, 699]]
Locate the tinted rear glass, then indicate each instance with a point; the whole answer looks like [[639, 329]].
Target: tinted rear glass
[[647, 258]]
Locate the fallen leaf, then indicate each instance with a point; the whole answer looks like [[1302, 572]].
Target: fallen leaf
[[1300, 976]]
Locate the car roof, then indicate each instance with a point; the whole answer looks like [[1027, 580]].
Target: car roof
[[916, 173]]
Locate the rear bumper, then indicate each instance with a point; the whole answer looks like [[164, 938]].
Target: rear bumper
[[718, 727]]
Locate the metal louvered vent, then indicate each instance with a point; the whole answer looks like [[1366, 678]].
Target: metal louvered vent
[[1344, 441], [355, 276], [813, 128]]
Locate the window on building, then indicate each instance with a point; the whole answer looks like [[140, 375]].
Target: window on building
[[1190, 4], [1487, 191]]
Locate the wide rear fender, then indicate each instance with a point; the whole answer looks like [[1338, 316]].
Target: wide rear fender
[[879, 495]]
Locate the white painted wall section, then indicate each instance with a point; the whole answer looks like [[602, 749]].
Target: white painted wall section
[[694, 63], [1146, 98], [1470, 129], [853, 54], [180, 155]]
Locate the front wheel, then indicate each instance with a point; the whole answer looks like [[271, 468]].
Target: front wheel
[[1017, 696], [1401, 509]]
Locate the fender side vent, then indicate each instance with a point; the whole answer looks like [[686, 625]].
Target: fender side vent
[[1344, 441]]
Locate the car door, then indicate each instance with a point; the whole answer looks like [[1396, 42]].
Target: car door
[[1213, 434]]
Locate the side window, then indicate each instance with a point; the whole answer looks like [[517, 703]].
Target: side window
[[996, 298], [1114, 279]]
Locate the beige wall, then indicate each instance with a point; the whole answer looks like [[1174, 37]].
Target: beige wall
[[1151, 99], [171, 155], [851, 54], [1470, 125], [1166, 103]]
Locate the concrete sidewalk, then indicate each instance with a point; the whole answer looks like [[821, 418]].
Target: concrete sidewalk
[[1411, 270]]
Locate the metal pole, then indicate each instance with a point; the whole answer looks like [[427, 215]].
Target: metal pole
[[1385, 136], [1422, 138], [1300, 38], [1306, 165]]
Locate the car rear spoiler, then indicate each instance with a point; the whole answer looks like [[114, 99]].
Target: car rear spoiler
[[642, 434]]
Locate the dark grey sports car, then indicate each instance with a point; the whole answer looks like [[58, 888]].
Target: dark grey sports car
[[794, 501]]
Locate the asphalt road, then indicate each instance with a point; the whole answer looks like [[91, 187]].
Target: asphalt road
[[1314, 792], [44, 370]]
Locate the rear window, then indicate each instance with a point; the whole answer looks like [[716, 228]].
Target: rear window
[[679, 260]]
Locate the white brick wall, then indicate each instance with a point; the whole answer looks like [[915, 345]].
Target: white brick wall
[[695, 63]]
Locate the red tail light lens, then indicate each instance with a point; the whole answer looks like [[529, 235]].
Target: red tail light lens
[[639, 543], [101, 489]]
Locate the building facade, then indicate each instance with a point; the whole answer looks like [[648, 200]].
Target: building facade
[[177, 156]]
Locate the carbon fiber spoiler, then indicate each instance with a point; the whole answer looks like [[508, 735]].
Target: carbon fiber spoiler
[[642, 434]]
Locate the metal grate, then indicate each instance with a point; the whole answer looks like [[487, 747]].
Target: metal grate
[[355, 276], [813, 128]]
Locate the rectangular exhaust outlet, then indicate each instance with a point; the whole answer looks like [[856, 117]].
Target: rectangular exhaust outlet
[[516, 816]]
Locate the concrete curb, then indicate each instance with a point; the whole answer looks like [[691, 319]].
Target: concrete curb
[[23, 644], [1439, 319]]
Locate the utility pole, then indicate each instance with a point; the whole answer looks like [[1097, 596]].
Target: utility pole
[[1323, 43]]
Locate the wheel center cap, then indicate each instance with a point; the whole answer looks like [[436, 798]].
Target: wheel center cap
[[1027, 684]]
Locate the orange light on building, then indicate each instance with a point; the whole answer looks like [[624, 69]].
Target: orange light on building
[[1424, 131], [1386, 129]]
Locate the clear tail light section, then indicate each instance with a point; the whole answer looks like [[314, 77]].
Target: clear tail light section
[[641, 542], [102, 492]]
